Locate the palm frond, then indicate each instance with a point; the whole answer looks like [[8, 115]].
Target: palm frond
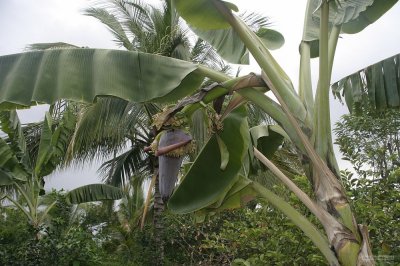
[[113, 25], [105, 126], [47, 46], [119, 170], [254, 20], [256, 116], [32, 133]]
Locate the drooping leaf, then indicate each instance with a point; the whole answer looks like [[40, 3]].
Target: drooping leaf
[[228, 44], [230, 47], [202, 14], [267, 138], [353, 16], [377, 84], [11, 125], [210, 25], [84, 74], [11, 168], [239, 194], [369, 16], [205, 182], [340, 12], [271, 38], [6, 178], [94, 192]]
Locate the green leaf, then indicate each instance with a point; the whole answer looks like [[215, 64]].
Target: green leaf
[[11, 125], [236, 197], [224, 153], [267, 138], [84, 74], [229, 46], [93, 192], [241, 193], [271, 38], [202, 14], [10, 166], [340, 12], [377, 84], [45, 148], [205, 182], [353, 16], [6, 178], [368, 16]]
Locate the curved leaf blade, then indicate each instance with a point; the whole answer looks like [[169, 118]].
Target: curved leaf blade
[[272, 39], [10, 167], [227, 44], [353, 16], [205, 182], [83, 74], [377, 84], [240, 193], [369, 16], [94, 192], [11, 125], [267, 138], [230, 47], [202, 14]]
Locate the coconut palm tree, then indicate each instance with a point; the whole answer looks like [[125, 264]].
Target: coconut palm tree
[[120, 129]]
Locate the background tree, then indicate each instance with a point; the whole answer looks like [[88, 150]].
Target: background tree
[[370, 141]]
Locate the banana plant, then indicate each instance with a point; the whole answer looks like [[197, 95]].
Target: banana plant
[[22, 173], [218, 178]]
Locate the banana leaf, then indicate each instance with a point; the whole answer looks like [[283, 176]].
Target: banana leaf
[[83, 74], [211, 26], [205, 183], [377, 85], [352, 16], [94, 192], [10, 168]]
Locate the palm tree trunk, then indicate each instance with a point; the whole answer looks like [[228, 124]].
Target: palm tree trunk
[[158, 224]]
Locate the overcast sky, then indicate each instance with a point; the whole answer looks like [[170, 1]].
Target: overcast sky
[[24, 22]]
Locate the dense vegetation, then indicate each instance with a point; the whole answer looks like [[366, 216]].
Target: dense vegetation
[[255, 235]]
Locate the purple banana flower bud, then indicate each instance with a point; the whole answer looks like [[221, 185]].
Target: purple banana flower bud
[[170, 163]]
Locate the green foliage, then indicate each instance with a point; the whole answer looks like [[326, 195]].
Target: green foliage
[[57, 243], [377, 204], [370, 141], [257, 234], [260, 236]]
